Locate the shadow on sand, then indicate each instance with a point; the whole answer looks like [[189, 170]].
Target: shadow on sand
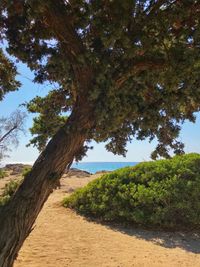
[[189, 241]]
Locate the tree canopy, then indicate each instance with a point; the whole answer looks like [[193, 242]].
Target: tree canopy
[[8, 72], [142, 59]]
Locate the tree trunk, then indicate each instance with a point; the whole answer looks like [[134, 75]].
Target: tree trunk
[[19, 215]]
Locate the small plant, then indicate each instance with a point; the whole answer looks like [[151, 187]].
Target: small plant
[[9, 190], [11, 187], [2, 173], [163, 193], [26, 171], [4, 200]]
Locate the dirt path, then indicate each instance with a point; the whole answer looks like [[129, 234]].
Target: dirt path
[[61, 238]]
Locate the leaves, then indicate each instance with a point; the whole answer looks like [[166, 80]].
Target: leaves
[[139, 72], [7, 76], [164, 194]]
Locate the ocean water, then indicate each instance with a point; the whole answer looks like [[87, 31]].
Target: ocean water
[[93, 167]]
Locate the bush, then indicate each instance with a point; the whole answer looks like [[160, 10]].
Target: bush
[[163, 193], [2, 173], [26, 171], [8, 191]]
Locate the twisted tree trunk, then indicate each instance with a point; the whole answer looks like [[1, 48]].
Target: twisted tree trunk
[[19, 215]]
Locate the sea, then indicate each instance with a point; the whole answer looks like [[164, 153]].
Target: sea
[[91, 167], [94, 167]]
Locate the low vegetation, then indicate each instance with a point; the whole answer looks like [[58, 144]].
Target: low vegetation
[[9, 190], [12, 186], [163, 193], [2, 173], [26, 171]]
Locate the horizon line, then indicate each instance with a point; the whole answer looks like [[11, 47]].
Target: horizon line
[[32, 162]]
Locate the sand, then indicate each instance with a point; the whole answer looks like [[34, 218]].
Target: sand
[[62, 238]]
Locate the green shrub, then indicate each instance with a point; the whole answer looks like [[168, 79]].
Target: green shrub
[[9, 190], [4, 200], [11, 187], [163, 193], [2, 173], [26, 171]]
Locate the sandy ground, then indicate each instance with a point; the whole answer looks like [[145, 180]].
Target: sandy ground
[[62, 238]]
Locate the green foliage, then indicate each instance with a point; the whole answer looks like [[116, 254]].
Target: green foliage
[[4, 200], [11, 187], [138, 73], [9, 190], [7, 74], [49, 107], [2, 173], [26, 171], [163, 193]]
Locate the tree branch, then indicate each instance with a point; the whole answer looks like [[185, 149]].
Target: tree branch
[[138, 67], [7, 134], [58, 19]]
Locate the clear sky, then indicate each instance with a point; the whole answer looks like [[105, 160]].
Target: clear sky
[[137, 150]]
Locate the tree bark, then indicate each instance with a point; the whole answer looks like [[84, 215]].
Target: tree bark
[[18, 216]]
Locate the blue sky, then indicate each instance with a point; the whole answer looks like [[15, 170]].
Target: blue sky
[[137, 150]]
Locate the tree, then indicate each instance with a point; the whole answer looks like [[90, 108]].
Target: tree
[[116, 77], [7, 74], [10, 129]]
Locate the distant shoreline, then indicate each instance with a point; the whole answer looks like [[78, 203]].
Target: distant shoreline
[[91, 167]]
